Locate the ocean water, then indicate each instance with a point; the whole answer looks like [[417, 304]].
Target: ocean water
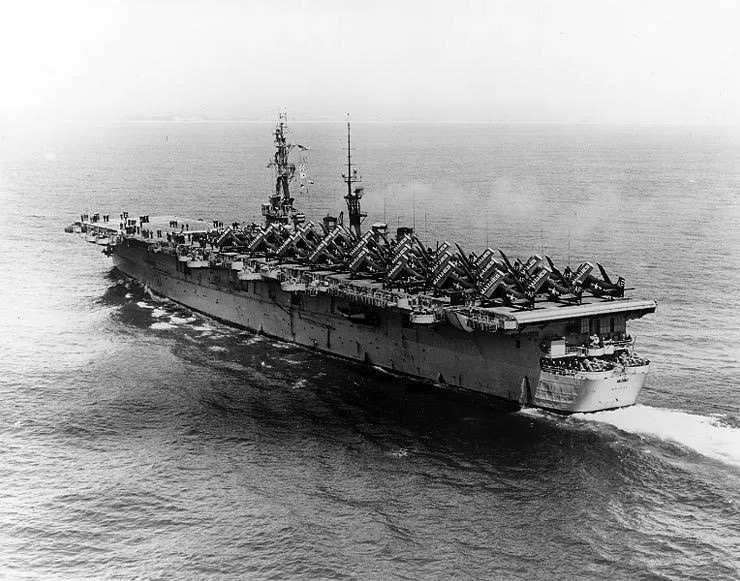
[[139, 440]]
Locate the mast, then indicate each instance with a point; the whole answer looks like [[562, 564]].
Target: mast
[[283, 169], [348, 179], [353, 196], [280, 207]]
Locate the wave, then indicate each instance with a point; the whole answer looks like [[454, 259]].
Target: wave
[[398, 454], [385, 371], [711, 436], [162, 326], [181, 320], [153, 297]]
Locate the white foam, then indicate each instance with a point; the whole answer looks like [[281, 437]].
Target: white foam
[[204, 328], [159, 313], [181, 320], [217, 348], [400, 453], [143, 305], [707, 435], [128, 296], [162, 326]]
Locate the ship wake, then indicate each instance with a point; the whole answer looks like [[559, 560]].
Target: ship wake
[[716, 436]]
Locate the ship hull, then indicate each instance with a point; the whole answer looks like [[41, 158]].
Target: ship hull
[[499, 365]]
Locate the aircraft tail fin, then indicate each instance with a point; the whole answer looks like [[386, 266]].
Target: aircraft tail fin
[[603, 273], [620, 286]]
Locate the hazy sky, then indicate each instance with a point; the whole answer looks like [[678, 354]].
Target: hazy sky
[[553, 61]]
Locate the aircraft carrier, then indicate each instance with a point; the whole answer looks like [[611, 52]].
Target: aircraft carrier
[[523, 331]]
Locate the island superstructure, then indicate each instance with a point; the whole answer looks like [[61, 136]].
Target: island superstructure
[[523, 331]]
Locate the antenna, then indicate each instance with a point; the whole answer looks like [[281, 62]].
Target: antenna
[[413, 194], [349, 158], [353, 197]]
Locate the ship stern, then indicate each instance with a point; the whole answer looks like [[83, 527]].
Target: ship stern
[[586, 391]]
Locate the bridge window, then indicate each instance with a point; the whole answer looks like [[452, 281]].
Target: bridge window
[[572, 327], [594, 326]]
